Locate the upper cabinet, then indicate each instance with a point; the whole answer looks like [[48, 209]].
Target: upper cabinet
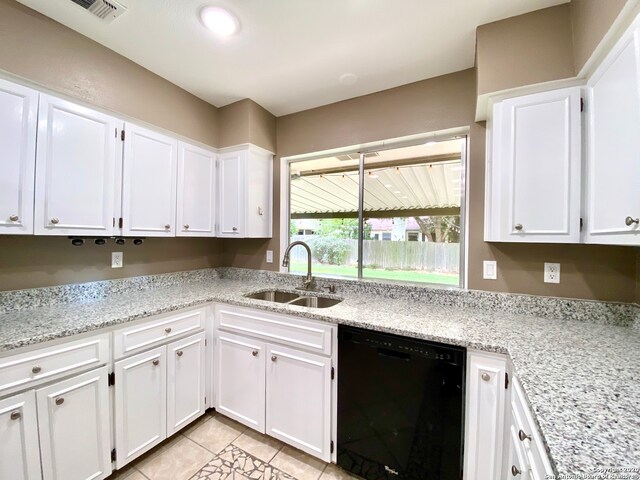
[[149, 183], [533, 170], [245, 192], [196, 207], [613, 146], [18, 117], [77, 170]]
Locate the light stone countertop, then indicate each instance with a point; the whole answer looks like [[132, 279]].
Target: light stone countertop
[[582, 378]]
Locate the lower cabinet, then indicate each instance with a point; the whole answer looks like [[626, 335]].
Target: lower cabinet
[[157, 392]]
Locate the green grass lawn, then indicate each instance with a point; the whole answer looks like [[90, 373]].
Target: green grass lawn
[[377, 273]]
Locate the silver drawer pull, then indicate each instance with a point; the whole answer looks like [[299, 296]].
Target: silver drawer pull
[[36, 369], [523, 436], [273, 358], [235, 229], [514, 471], [518, 226], [254, 353], [14, 218], [59, 401], [186, 227], [179, 353], [630, 221], [15, 415], [486, 377], [167, 330], [167, 226], [156, 362], [54, 221]]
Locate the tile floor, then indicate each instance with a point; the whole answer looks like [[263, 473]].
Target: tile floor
[[217, 448]]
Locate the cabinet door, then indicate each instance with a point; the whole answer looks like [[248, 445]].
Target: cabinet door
[[232, 194], [239, 366], [185, 382], [75, 427], [140, 404], [76, 163], [485, 416], [149, 183], [259, 195], [613, 152], [517, 465], [196, 211], [299, 400], [539, 167], [19, 455], [18, 117]]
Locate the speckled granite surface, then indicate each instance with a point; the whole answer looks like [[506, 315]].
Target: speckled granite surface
[[581, 377]]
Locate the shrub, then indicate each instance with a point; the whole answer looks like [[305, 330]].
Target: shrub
[[329, 250]]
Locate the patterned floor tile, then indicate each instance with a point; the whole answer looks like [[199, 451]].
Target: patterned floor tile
[[233, 463]]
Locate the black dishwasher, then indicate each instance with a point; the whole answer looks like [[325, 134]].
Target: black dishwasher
[[400, 406]]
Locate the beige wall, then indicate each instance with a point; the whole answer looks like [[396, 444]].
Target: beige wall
[[43, 51], [590, 21], [526, 49], [27, 261], [246, 121]]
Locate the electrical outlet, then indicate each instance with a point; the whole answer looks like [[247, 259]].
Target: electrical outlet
[[490, 270], [552, 272], [117, 259], [269, 256]]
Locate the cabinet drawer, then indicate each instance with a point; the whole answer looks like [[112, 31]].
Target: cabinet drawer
[[284, 329], [19, 371], [157, 331], [533, 446]]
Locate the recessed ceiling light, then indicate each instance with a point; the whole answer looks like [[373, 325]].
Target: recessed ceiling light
[[220, 21], [348, 79]]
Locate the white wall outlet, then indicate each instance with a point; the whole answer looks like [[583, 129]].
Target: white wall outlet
[[552, 272], [269, 256], [490, 270], [117, 259]]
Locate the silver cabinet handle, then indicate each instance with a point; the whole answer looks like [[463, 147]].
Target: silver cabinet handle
[[523, 436], [59, 401], [54, 221], [235, 229], [514, 471], [486, 377], [156, 362], [167, 330], [254, 353], [14, 218], [167, 227], [15, 415], [36, 369], [186, 227], [260, 211], [179, 353], [630, 221], [273, 358], [518, 226]]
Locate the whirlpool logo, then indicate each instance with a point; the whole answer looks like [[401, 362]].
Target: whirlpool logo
[[391, 470]]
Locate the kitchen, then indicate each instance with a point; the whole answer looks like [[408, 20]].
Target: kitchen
[[188, 197]]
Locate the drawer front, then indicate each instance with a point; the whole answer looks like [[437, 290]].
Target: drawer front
[[158, 331], [284, 329], [533, 446], [30, 368]]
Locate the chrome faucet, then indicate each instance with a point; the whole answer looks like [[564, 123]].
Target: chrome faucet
[[309, 283]]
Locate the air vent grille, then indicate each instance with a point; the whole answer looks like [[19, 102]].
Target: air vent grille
[[356, 156], [106, 10]]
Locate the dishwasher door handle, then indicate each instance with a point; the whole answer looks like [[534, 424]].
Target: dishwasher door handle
[[385, 352]]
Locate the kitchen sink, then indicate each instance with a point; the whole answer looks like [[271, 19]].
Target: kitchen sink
[[300, 299]]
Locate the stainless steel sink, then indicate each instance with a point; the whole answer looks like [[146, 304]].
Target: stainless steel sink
[[300, 299]]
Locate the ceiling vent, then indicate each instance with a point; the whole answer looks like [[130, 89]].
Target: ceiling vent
[[356, 156], [106, 10]]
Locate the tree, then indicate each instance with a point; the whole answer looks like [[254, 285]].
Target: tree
[[440, 229], [342, 228]]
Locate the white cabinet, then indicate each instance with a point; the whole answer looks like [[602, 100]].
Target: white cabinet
[[240, 384], [485, 419], [245, 192], [140, 404], [74, 426], [19, 455], [299, 399], [533, 172], [18, 117], [613, 146], [149, 183], [196, 208], [77, 170]]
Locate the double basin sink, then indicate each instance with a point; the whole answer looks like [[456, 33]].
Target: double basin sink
[[306, 299]]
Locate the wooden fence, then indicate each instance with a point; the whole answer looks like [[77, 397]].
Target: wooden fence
[[428, 256]]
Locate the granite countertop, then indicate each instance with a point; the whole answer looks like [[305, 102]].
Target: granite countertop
[[581, 377]]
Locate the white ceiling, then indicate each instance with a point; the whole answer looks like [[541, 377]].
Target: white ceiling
[[289, 53]]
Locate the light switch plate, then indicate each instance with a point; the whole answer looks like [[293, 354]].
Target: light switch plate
[[269, 256], [490, 270], [552, 272], [117, 259]]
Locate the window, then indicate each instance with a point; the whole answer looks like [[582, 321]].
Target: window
[[410, 207]]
